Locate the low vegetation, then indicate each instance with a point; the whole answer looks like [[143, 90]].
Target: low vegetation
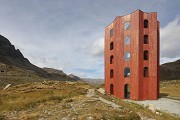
[[15, 76], [31, 97], [170, 88], [54, 100], [26, 96]]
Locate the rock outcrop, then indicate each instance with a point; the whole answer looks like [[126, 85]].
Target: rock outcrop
[[13, 57], [60, 75]]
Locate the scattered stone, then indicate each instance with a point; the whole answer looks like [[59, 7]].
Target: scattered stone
[[70, 83], [110, 103], [69, 100], [90, 118], [7, 86], [151, 107], [102, 91], [90, 93]]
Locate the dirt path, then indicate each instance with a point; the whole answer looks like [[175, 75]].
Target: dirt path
[[164, 104], [91, 93]]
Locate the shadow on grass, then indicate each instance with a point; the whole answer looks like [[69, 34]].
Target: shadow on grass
[[163, 95]]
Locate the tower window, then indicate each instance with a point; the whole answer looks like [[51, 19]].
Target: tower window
[[145, 71], [145, 55], [127, 56], [111, 59], [111, 32], [127, 72], [145, 23], [111, 89], [127, 40], [126, 91], [111, 45], [127, 25], [145, 39], [111, 73]]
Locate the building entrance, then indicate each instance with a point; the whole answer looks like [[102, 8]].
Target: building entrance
[[126, 91], [111, 89]]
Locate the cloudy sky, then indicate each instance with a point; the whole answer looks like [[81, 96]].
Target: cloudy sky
[[68, 34]]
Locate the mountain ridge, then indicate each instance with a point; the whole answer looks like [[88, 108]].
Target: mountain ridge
[[11, 56], [170, 70]]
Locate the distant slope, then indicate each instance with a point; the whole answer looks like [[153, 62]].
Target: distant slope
[[94, 81], [15, 75], [60, 75], [170, 71]]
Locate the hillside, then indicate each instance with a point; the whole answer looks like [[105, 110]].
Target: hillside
[[13, 57], [14, 75], [170, 71], [10, 56], [60, 75], [69, 100]]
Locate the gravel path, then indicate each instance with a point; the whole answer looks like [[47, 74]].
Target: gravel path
[[164, 104], [91, 93]]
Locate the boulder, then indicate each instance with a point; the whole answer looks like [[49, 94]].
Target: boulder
[[102, 91]]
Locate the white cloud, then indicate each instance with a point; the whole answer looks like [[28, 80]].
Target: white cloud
[[98, 47], [165, 60], [62, 35], [170, 39]]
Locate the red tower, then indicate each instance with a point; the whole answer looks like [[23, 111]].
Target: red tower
[[132, 56]]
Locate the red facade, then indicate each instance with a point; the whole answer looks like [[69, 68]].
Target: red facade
[[132, 56]]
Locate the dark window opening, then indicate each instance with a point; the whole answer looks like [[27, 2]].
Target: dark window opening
[[111, 32], [145, 55], [111, 59], [111, 45], [145, 39], [111, 89], [111, 73], [146, 23], [127, 72], [145, 71], [126, 91]]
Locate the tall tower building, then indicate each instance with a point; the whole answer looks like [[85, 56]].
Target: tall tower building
[[132, 56]]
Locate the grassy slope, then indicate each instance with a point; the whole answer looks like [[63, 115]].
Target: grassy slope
[[14, 76], [31, 98], [61, 99], [170, 88]]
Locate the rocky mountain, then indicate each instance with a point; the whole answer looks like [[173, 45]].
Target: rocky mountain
[[170, 71], [74, 77], [60, 75], [13, 57]]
